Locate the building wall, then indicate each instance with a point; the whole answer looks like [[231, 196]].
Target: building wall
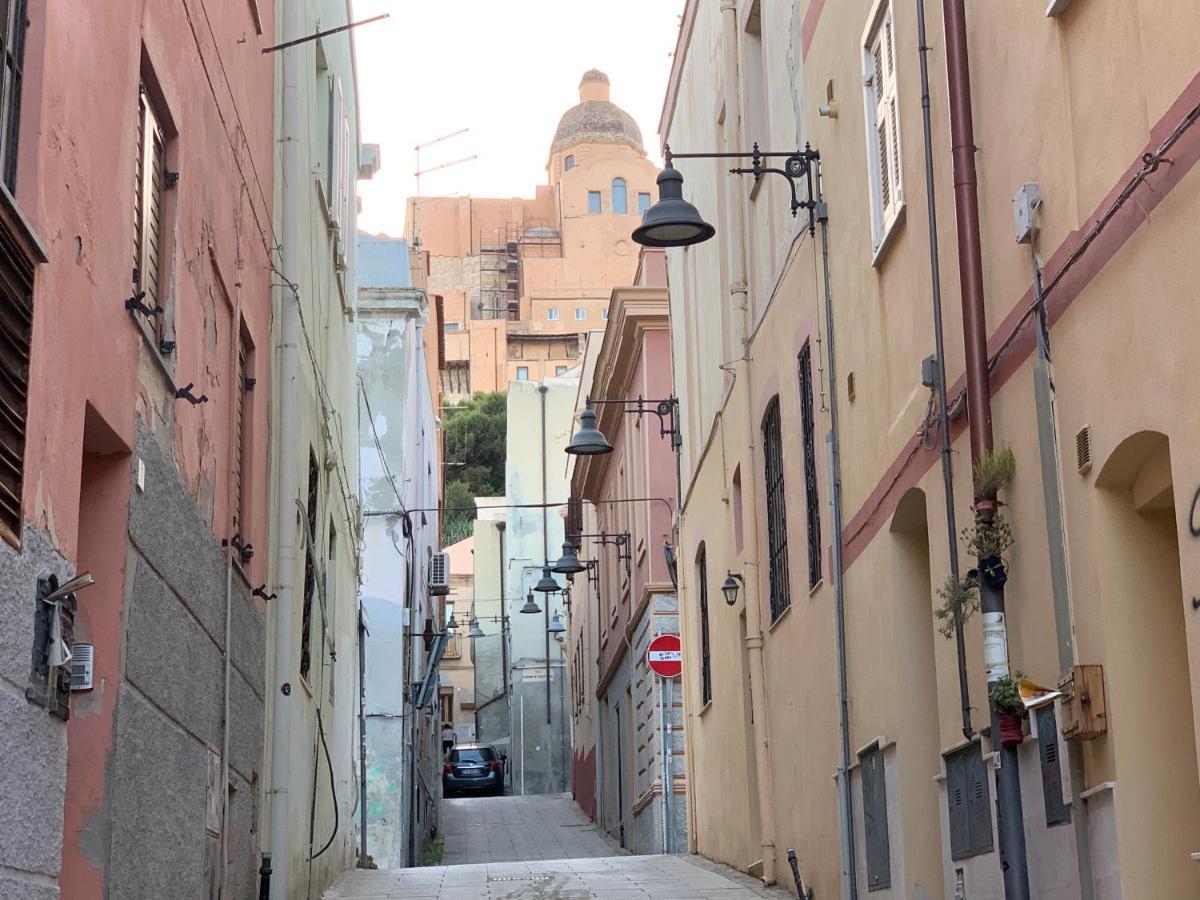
[[895, 526], [457, 671]]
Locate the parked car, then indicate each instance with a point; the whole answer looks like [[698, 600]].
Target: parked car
[[473, 767]]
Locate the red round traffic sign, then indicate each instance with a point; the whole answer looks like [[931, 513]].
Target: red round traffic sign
[[665, 656]]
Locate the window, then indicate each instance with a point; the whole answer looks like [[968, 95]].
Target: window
[[594, 203], [310, 572], [330, 612], [447, 708], [478, 755], [883, 124], [812, 503], [604, 314], [875, 823], [454, 326], [620, 206], [150, 182], [560, 370], [705, 661], [777, 555], [12, 48], [552, 314], [580, 314], [569, 162], [16, 322], [242, 417], [967, 796], [522, 373], [643, 202]]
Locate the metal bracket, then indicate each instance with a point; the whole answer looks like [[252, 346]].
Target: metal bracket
[[185, 393], [135, 304], [245, 551], [261, 591]]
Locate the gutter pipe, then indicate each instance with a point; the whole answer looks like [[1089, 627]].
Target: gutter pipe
[[739, 295], [940, 364], [290, 23]]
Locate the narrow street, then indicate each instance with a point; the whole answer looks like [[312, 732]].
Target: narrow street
[[519, 829]]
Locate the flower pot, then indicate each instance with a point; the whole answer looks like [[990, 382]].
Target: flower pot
[[1011, 731], [993, 571]]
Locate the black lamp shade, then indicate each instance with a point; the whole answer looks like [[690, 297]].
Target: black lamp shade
[[588, 441], [672, 221], [568, 563], [546, 584], [730, 588], [530, 606]]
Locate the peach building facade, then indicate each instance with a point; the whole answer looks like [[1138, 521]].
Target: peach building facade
[[522, 279]]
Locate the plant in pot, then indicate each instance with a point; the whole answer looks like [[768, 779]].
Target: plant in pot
[[988, 541], [1006, 698], [961, 593]]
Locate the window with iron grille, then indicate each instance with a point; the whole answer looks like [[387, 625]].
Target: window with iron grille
[[310, 566], [705, 661], [12, 52], [812, 503], [777, 552], [149, 185], [241, 437]]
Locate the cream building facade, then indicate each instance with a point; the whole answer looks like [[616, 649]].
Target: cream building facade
[[522, 279], [876, 784]]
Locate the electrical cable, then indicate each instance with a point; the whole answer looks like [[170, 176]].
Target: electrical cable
[[332, 788]]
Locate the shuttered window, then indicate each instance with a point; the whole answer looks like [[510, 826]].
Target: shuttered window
[[241, 421], [16, 324], [310, 566], [777, 551], [705, 661], [1057, 811], [812, 503], [968, 798], [875, 822], [149, 184], [883, 124], [12, 51]]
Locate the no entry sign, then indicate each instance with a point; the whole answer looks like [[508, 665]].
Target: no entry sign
[[665, 656]]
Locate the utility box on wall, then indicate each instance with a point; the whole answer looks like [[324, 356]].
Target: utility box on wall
[[1084, 715]]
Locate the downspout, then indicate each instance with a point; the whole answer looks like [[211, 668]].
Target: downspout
[[1009, 816], [503, 620], [362, 739], [935, 278], [845, 796], [739, 295], [290, 23], [542, 390]]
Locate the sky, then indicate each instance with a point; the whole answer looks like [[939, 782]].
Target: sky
[[506, 71]]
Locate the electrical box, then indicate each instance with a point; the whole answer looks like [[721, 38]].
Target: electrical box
[[1025, 203], [1084, 714]]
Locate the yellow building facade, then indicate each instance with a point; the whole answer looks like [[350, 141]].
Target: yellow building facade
[[1098, 105]]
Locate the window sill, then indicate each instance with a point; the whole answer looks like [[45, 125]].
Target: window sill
[[783, 615], [304, 684], [705, 708], [889, 235], [812, 591]]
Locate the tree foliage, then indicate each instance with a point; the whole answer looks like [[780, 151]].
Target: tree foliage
[[475, 452]]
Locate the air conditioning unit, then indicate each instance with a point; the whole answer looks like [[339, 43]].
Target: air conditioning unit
[[439, 574], [81, 667]]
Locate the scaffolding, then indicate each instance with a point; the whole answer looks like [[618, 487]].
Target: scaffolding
[[500, 266]]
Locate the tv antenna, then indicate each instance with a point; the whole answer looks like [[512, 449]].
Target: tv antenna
[[416, 232]]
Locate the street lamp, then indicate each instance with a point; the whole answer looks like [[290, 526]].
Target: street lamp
[[730, 587], [673, 222], [546, 584], [588, 441], [556, 625], [568, 563], [475, 631], [530, 606]]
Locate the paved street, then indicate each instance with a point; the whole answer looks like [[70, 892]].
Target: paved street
[[606, 878], [515, 829]]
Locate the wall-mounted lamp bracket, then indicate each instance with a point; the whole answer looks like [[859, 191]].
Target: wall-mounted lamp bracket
[[135, 304], [185, 393], [261, 591], [666, 410]]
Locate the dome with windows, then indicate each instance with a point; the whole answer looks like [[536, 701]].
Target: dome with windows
[[596, 119]]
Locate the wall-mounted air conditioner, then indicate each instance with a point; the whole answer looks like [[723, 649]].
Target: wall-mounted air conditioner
[[439, 574]]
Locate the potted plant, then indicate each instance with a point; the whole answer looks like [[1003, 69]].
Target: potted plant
[[1010, 710], [994, 471], [988, 541], [955, 593]]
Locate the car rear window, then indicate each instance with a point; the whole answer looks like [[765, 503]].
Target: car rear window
[[472, 755]]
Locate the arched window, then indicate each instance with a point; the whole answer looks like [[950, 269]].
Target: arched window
[[619, 205], [569, 162]]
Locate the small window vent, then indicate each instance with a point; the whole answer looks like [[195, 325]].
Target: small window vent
[[1083, 449], [81, 667], [439, 574]]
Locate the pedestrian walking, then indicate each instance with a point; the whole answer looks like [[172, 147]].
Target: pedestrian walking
[[447, 738]]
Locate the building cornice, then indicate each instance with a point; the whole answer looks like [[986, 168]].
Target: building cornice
[[683, 42]]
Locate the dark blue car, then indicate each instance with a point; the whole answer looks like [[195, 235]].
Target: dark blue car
[[473, 767]]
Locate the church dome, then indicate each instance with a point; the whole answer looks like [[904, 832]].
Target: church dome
[[596, 119]]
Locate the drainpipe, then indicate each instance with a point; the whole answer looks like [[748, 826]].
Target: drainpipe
[[542, 389], [286, 486], [935, 278], [845, 797], [1009, 817], [740, 297], [362, 739]]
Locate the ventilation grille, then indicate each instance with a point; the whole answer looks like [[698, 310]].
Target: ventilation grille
[[81, 667], [1083, 449], [439, 574]]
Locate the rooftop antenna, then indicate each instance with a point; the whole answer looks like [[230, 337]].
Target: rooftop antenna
[[416, 235]]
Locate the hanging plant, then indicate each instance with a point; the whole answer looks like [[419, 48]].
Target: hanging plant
[[955, 593], [988, 541], [994, 471], [1006, 695]]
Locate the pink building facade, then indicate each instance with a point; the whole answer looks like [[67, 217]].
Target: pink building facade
[[134, 334], [628, 498]]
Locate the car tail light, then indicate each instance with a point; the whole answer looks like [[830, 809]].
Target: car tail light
[[447, 768], [495, 767]]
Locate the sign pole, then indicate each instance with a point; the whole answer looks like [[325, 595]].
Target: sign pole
[[662, 743], [668, 754], [664, 657]]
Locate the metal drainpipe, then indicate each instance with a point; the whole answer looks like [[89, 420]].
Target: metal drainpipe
[[739, 293], [1009, 816], [362, 740], [542, 390], [935, 277], [845, 796], [290, 23]]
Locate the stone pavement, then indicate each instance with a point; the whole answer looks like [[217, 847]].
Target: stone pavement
[[606, 878], [512, 829]]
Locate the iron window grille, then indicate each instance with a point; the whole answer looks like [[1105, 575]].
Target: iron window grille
[[705, 661], [812, 502], [310, 570], [777, 551], [12, 53]]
